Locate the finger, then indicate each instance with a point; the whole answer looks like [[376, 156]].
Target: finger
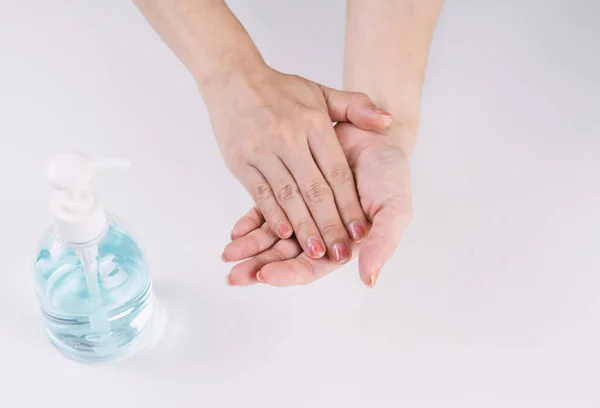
[[332, 162], [244, 274], [252, 220], [389, 223], [251, 244], [318, 196], [290, 199], [357, 108], [261, 192], [300, 270]]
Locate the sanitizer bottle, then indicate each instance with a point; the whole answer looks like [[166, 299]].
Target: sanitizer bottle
[[90, 274]]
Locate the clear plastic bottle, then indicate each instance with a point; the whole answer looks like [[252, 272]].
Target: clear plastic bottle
[[91, 277]]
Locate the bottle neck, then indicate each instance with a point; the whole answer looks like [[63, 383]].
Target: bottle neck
[[80, 245], [78, 222]]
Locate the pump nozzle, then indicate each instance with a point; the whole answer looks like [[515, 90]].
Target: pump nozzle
[[73, 172], [78, 215]]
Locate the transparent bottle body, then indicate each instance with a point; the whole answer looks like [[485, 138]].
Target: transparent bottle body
[[101, 313]]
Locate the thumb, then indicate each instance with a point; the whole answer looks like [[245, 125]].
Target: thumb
[[389, 223], [356, 108]]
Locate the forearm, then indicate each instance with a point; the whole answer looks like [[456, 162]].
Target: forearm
[[206, 37], [387, 44]]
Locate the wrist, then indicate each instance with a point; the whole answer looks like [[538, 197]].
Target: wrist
[[400, 97], [403, 133], [227, 70], [206, 37]]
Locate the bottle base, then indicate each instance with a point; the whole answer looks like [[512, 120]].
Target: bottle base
[[76, 350]]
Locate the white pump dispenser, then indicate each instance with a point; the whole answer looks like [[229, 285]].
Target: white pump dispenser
[[91, 277], [79, 217]]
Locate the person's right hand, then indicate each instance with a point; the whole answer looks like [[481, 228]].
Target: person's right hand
[[275, 132], [383, 181]]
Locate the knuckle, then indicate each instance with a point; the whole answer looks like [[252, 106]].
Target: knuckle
[[360, 95], [287, 193], [339, 174], [236, 161], [278, 129], [298, 107], [282, 134], [234, 167], [253, 147], [268, 121], [284, 128], [288, 141], [261, 193], [317, 121], [317, 192]]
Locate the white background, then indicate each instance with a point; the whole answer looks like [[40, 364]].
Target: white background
[[493, 299]]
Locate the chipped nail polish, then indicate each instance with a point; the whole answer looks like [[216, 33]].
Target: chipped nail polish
[[283, 230], [315, 247], [340, 253], [357, 232]]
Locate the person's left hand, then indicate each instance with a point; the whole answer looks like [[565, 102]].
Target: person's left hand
[[382, 176]]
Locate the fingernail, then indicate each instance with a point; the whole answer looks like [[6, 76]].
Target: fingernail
[[316, 249], [385, 115], [259, 277], [374, 279], [340, 253], [223, 257], [283, 230], [357, 232], [228, 281]]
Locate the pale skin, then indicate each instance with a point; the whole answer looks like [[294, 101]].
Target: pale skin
[[274, 130], [353, 194]]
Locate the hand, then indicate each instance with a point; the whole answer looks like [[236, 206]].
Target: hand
[[383, 182], [275, 132]]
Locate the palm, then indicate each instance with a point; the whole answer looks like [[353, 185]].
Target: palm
[[382, 178], [380, 168]]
